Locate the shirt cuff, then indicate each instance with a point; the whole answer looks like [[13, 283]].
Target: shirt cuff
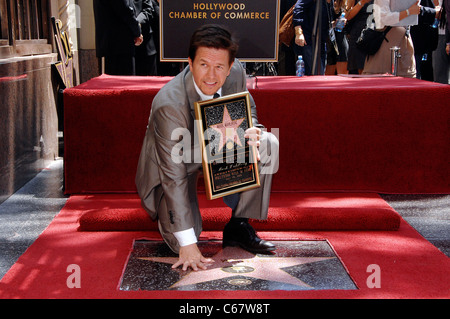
[[185, 237]]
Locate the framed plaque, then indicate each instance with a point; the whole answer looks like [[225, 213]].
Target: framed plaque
[[229, 163]]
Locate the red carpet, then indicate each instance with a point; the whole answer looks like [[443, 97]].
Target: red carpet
[[392, 137], [410, 266], [288, 211]]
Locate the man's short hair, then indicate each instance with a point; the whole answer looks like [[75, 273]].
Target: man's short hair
[[213, 36]]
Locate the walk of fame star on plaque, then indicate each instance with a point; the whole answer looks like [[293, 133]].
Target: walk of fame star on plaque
[[227, 131], [295, 265]]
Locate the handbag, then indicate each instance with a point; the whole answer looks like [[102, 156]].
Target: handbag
[[370, 40], [286, 31]]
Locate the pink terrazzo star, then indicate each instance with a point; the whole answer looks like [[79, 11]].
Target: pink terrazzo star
[[233, 261], [227, 130]]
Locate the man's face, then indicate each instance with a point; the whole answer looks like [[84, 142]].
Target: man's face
[[210, 69]]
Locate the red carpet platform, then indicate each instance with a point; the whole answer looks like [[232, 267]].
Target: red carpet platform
[[342, 140], [410, 267], [385, 135]]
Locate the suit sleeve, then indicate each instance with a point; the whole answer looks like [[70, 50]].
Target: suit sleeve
[[298, 14], [172, 173], [146, 15], [427, 15], [383, 15], [127, 14]]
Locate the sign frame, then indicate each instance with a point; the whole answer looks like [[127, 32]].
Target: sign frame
[[243, 34], [236, 169]]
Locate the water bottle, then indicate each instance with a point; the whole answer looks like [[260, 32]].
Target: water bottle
[[436, 23], [340, 23], [300, 66]]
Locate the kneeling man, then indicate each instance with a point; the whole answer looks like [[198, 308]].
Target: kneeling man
[[167, 188]]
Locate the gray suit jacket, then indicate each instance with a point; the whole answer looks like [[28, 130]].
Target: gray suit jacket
[[157, 174]]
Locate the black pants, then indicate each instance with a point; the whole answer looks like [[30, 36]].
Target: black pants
[[146, 64], [120, 65]]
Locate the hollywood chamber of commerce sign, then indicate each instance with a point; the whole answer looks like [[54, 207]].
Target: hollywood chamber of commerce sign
[[253, 22]]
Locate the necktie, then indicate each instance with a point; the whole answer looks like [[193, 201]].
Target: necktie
[[216, 95]]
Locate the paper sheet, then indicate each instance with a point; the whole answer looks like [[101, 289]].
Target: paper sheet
[[400, 5]]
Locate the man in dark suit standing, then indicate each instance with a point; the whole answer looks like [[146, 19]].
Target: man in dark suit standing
[[304, 23], [117, 33], [425, 39], [147, 12], [168, 188]]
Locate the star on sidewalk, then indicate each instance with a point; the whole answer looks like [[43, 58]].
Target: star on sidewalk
[[227, 130], [233, 261]]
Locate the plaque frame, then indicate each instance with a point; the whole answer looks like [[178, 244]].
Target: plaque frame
[[229, 164]]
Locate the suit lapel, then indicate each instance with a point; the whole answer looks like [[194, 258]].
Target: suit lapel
[[190, 91], [226, 88]]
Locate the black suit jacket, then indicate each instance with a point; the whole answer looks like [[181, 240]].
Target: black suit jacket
[[147, 14], [424, 36], [116, 27], [304, 15]]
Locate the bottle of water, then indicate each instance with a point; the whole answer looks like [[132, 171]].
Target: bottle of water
[[340, 23], [300, 66], [436, 23]]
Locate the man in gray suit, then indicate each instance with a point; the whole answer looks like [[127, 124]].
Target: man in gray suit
[[168, 187]]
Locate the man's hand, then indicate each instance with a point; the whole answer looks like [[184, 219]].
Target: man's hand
[[190, 256], [300, 40], [415, 8], [138, 41], [254, 135]]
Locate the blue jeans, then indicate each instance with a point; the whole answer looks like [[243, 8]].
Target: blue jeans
[[307, 53]]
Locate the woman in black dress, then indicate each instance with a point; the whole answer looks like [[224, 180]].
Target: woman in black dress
[[359, 14]]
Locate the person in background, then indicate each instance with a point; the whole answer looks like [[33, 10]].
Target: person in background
[[359, 14], [337, 61], [117, 33], [441, 60], [425, 38], [446, 6], [147, 12], [286, 55], [303, 18], [168, 187], [380, 62]]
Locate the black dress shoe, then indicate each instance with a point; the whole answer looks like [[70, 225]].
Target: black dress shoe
[[243, 235]]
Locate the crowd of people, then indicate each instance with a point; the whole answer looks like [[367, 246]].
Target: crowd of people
[[420, 30], [127, 37]]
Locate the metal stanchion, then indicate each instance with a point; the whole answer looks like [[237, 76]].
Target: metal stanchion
[[395, 55]]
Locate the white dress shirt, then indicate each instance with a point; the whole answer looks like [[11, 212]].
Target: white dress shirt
[[387, 13]]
